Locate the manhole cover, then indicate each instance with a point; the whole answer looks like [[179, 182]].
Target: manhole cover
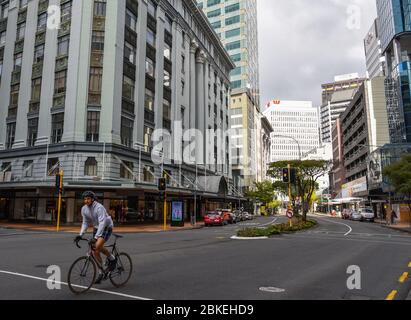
[[272, 289]]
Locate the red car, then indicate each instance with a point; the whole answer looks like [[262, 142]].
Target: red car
[[213, 218]]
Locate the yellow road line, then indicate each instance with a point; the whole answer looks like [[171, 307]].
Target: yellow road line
[[403, 277], [392, 295], [409, 265]]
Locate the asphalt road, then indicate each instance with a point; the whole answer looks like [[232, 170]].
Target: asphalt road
[[206, 264]]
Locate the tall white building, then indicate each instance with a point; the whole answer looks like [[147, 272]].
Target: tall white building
[[296, 129], [375, 59]]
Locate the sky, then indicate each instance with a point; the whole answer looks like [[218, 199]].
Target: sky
[[305, 43]]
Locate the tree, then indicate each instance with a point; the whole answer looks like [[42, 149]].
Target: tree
[[263, 192], [307, 174], [399, 174]]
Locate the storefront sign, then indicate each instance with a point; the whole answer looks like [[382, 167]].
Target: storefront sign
[[355, 187]]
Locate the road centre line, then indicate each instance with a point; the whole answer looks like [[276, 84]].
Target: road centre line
[[66, 284]]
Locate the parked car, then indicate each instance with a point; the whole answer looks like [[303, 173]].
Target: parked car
[[212, 218], [248, 216], [226, 215], [367, 214], [237, 216], [355, 216]]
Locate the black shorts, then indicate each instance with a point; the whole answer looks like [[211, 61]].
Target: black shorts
[[106, 233]]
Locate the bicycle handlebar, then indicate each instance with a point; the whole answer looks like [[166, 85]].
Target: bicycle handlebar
[[77, 241]]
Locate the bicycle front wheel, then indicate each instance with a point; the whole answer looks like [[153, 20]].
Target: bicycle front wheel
[[122, 273], [82, 275]]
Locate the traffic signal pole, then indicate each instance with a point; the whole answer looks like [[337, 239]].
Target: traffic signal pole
[[165, 211], [61, 174]]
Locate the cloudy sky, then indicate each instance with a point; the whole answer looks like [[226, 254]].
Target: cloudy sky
[[304, 43]]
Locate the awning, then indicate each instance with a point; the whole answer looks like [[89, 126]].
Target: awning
[[213, 184]]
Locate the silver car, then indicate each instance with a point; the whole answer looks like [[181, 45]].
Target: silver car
[[367, 214], [356, 216]]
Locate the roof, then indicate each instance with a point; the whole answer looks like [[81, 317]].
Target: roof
[[213, 184], [343, 95]]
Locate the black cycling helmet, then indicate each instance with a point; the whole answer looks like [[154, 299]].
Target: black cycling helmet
[[89, 194]]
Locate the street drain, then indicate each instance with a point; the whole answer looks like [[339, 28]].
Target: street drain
[[272, 290]]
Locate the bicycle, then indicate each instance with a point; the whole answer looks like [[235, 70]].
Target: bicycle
[[83, 271]]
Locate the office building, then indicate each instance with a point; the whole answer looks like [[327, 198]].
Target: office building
[[375, 60]]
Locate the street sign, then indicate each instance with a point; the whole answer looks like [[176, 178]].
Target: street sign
[[290, 213]]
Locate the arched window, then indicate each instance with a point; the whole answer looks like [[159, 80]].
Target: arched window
[[90, 168]]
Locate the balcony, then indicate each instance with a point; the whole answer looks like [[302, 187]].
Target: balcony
[[99, 23], [40, 37], [37, 70], [61, 63], [12, 111], [19, 46], [43, 6], [15, 76], [34, 106], [64, 28]]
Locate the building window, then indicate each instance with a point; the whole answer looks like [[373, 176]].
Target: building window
[[39, 53], [183, 85], [93, 126], [4, 10], [167, 51], [128, 88], [60, 82], [150, 67], [18, 57], [168, 25], [127, 132], [28, 168], [42, 22], [14, 94], [90, 167], [126, 170], [57, 126], [66, 11], [148, 144], [11, 133], [53, 166], [151, 38], [129, 53], [2, 38], [183, 64], [151, 8], [32, 130], [22, 4], [99, 8], [167, 79], [184, 37], [97, 40], [21, 28], [36, 89], [63, 46], [131, 20], [149, 100], [95, 83], [166, 110], [148, 173]]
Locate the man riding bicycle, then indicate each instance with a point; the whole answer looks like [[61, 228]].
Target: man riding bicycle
[[95, 214]]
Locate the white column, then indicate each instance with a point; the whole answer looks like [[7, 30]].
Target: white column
[[25, 77], [7, 70], [200, 106], [193, 86], [75, 117], [112, 84], [159, 72], [140, 73], [47, 84]]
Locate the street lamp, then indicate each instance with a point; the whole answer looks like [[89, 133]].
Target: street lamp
[[292, 138]]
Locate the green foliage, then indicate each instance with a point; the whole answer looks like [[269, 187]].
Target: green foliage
[[264, 192], [276, 229], [399, 174]]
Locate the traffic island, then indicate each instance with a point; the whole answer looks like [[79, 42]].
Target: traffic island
[[277, 229]]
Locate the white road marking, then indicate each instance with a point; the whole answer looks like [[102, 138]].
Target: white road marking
[[349, 231], [66, 284], [272, 289], [250, 238], [270, 223]]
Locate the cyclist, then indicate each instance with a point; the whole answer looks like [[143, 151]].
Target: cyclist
[[96, 215]]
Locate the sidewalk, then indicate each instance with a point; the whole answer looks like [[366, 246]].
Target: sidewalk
[[400, 226], [147, 228]]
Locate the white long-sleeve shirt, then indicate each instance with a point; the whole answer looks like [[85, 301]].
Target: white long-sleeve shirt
[[97, 216]]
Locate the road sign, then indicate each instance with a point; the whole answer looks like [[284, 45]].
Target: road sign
[[290, 213]]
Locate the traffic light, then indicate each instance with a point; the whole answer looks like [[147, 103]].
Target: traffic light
[[286, 176], [293, 175], [162, 184], [58, 177]]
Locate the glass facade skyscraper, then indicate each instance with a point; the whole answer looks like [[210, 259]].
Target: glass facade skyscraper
[[235, 21], [395, 33]]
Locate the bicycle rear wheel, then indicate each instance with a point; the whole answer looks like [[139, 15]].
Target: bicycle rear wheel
[[122, 273], [82, 275]]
